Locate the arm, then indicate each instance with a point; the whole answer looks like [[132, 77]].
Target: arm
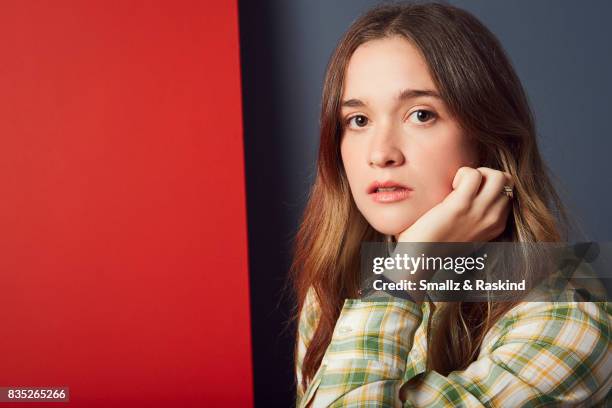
[[540, 353]]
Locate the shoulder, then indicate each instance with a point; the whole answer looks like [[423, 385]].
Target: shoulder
[[573, 325], [309, 316], [307, 325], [555, 346]]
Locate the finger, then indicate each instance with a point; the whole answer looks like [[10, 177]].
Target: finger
[[502, 203], [497, 215], [492, 186], [466, 183]]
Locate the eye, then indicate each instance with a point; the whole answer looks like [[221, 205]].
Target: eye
[[421, 116], [359, 120]]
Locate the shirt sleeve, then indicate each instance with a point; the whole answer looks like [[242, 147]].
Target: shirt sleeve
[[539, 354]]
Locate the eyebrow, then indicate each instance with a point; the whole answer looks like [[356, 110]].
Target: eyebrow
[[402, 96]]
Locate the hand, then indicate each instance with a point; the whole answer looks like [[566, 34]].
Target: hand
[[475, 211]]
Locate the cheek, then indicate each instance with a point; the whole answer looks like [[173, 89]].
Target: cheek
[[437, 165], [435, 182], [350, 160]]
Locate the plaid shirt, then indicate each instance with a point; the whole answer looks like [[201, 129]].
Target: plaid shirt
[[538, 354]]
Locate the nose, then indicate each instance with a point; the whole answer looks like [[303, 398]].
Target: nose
[[384, 151]]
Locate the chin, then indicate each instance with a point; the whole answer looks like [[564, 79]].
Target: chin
[[388, 224]]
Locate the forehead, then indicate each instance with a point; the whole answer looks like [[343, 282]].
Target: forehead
[[384, 66]]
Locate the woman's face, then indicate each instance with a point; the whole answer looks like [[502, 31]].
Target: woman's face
[[398, 131]]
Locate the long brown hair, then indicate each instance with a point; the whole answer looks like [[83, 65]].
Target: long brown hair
[[482, 91]]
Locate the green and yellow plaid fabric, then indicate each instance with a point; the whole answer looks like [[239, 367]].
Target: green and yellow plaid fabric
[[539, 354]]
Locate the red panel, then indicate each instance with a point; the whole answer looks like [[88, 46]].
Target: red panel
[[123, 249]]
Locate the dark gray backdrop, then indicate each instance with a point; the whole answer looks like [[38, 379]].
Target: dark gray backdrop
[[561, 51]]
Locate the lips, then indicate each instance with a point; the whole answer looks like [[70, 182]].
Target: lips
[[385, 186], [388, 191]]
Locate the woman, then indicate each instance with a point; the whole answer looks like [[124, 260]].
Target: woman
[[423, 97]]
